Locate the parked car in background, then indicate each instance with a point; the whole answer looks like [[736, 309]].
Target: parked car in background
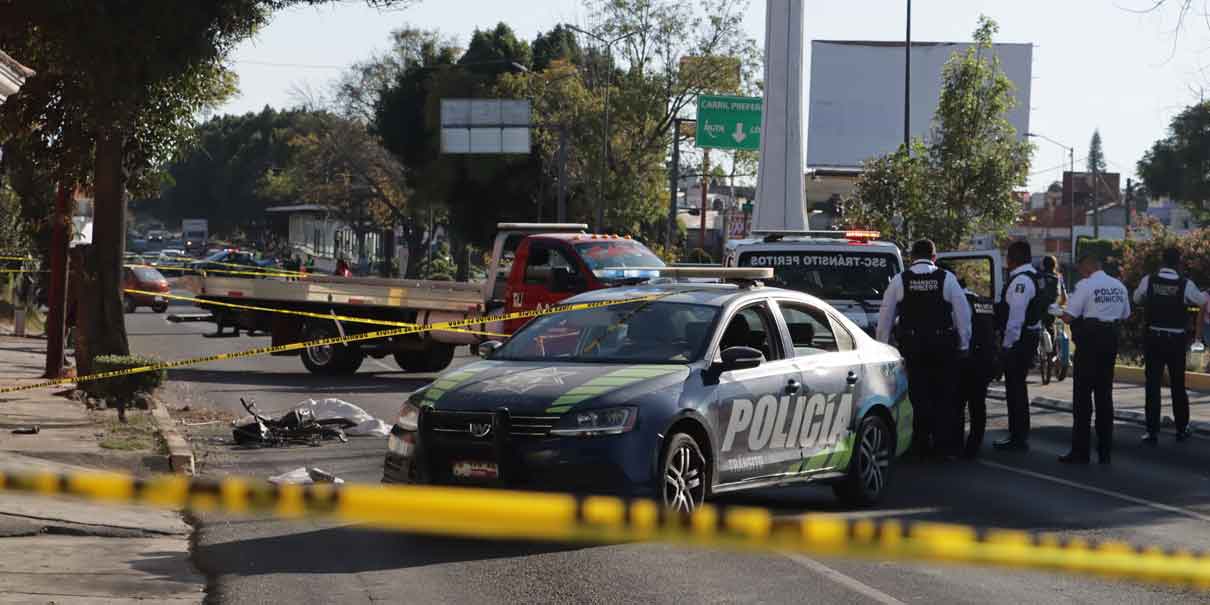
[[145, 279]]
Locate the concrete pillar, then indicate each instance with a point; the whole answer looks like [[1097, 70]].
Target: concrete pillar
[[779, 186]]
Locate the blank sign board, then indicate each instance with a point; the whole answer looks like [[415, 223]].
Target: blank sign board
[[485, 126]]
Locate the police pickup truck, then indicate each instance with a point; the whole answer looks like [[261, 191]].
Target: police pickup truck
[[850, 270]]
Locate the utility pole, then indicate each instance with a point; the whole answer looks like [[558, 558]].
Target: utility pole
[[907, 79], [705, 190], [57, 294], [1096, 207], [674, 180]]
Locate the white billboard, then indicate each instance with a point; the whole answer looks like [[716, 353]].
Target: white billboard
[[856, 98]]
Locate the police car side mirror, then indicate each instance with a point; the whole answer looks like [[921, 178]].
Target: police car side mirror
[[741, 358], [487, 347]]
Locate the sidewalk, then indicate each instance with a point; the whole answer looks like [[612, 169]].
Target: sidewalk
[[64, 551], [1129, 402]]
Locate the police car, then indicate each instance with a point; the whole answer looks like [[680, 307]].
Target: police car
[[699, 389], [851, 269]]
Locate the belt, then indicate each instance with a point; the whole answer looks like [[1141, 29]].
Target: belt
[[1100, 323]]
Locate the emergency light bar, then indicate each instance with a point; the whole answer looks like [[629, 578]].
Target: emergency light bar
[[721, 273], [860, 235]]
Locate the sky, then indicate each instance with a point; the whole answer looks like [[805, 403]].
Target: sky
[[1096, 63]]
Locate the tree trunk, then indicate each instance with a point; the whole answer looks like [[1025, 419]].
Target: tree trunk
[[104, 328]]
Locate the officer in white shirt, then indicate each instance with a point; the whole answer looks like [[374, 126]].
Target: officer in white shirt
[[1020, 311], [932, 333], [1095, 312], [1166, 295]]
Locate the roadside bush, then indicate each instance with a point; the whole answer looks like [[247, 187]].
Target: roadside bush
[[123, 389], [1139, 258]]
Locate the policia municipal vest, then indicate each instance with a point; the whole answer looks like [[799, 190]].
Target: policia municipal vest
[[1166, 302], [1033, 312], [925, 320], [985, 340]]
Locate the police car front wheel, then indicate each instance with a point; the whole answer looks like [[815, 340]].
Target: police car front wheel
[[870, 466], [683, 475]]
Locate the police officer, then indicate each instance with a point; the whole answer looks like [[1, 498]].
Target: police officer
[[932, 332], [1020, 315], [1094, 311], [977, 370], [1165, 295]]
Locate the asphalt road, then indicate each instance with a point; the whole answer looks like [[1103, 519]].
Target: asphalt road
[[1154, 496]]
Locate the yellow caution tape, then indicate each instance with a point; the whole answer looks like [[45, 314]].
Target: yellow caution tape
[[344, 318], [183, 269], [296, 346], [16, 258], [483, 513], [21, 271]]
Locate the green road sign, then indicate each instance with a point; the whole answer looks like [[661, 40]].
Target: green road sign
[[728, 122]]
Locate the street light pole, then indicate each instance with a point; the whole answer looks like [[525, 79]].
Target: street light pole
[[907, 79], [608, 44]]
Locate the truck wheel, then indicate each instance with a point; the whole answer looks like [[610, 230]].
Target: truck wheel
[[329, 360], [128, 304], [160, 308], [435, 357]]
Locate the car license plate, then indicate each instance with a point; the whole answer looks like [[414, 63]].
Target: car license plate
[[476, 470]]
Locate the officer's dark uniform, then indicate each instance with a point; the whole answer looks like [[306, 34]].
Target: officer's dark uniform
[[1020, 292], [1165, 295], [929, 343], [976, 371], [1097, 308]]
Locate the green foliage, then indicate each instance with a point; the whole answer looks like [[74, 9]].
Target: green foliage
[[491, 52], [960, 183], [219, 175], [1096, 155], [440, 267], [1175, 165], [123, 388], [559, 44]]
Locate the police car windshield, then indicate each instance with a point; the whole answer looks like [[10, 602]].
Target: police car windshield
[[639, 332], [827, 274]]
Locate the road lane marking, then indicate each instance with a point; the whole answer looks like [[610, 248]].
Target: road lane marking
[[1101, 491], [846, 581]]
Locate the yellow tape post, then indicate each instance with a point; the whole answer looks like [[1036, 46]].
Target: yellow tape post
[[297, 346], [484, 513]]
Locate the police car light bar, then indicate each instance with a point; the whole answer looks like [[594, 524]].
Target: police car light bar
[[720, 273], [853, 235]]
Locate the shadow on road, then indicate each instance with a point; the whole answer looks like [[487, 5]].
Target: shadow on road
[[302, 382], [352, 549]]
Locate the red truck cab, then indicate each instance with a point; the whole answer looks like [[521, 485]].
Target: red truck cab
[[549, 267]]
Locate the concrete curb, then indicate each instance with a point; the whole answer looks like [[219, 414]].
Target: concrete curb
[[180, 453], [1139, 418], [1194, 381]]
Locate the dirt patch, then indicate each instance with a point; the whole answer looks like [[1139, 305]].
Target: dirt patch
[[138, 433]]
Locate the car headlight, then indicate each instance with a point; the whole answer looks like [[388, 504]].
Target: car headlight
[[409, 417], [588, 423]]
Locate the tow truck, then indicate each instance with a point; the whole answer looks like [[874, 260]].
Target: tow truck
[[533, 266], [850, 269]]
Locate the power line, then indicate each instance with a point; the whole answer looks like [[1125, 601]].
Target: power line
[[290, 65], [1062, 166]]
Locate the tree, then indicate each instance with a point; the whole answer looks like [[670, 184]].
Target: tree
[[359, 88], [337, 163], [218, 174], [1175, 165], [961, 182], [492, 52], [119, 85], [1096, 156], [558, 44]]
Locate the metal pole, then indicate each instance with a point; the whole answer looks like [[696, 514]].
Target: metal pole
[[1071, 157], [605, 150], [561, 211], [705, 189], [674, 183], [907, 79], [1096, 210]]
